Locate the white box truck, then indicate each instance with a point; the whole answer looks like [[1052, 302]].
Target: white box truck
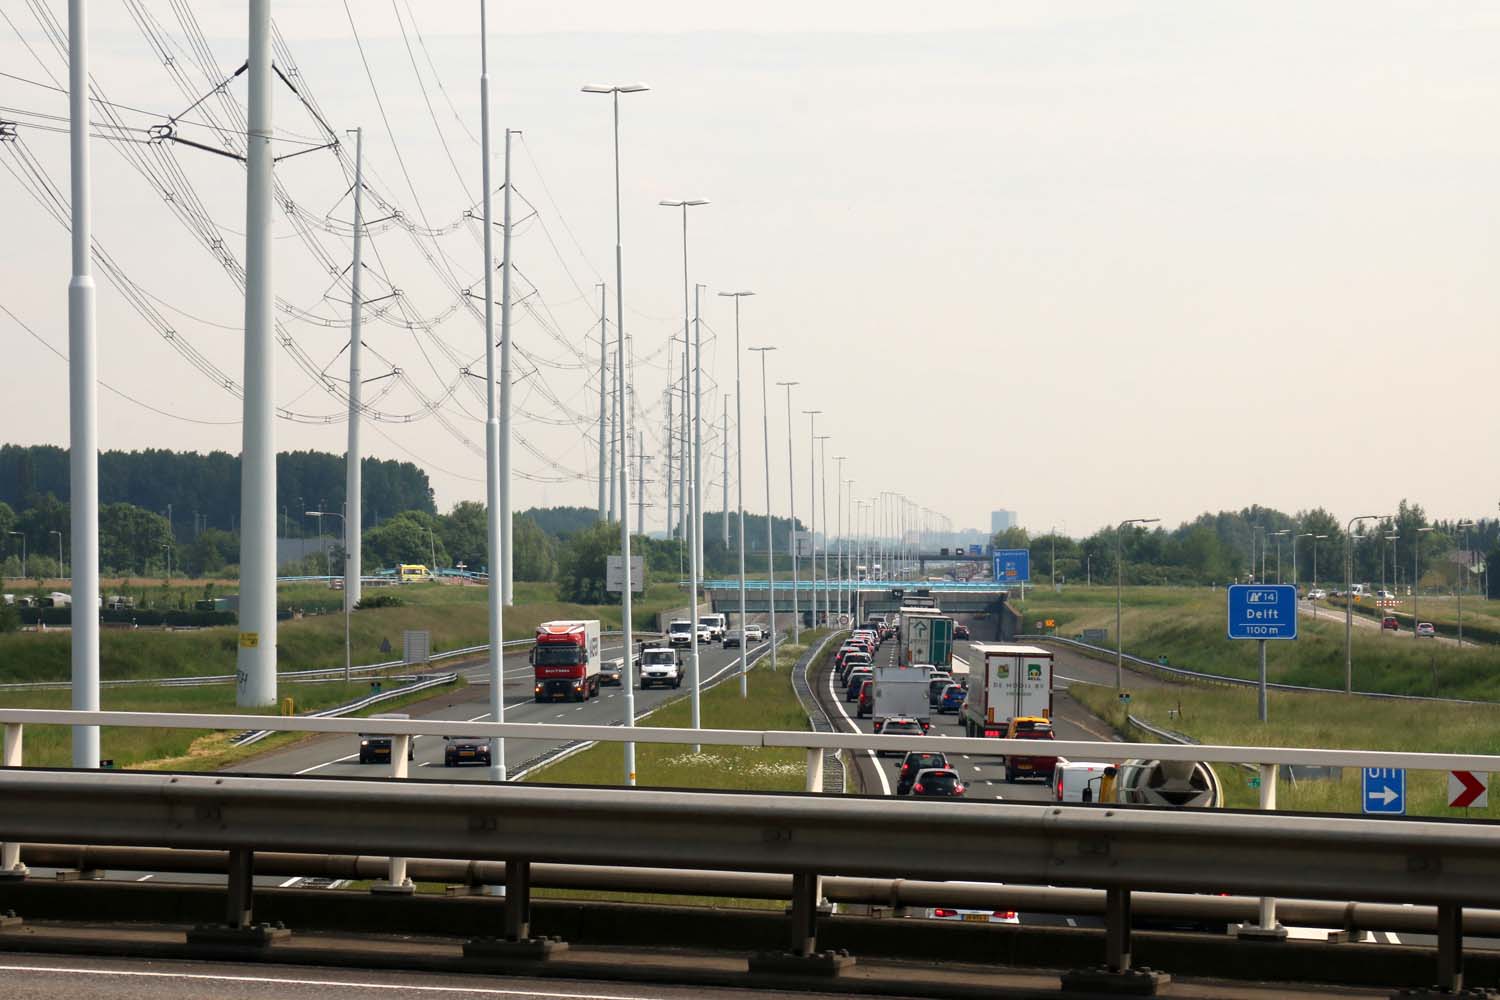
[[901, 692], [926, 637], [1006, 682]]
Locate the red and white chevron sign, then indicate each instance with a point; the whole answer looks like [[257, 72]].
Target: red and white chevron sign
[[1468, 790]]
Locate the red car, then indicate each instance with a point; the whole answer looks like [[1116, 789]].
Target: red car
[[1389, 621], [866, 699], [1016, 766]]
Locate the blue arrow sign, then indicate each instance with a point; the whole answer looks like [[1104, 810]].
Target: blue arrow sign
[[1012, 565], [1259, 611], [1384, 792]]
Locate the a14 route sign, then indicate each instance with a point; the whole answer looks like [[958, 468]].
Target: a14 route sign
[[1468, 790]]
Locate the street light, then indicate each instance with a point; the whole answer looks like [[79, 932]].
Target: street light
[[812, 493], [1349, 597], [1119, 583], [1278, 535], [1464, 580], [1416, 577], [823, 473], [497, 696], [690, 351], [1305, 534], [168, 550], [1316, 539], [60, 574], [22, 536], [791, 487], [344, 524], [765, 418], [739, 478]]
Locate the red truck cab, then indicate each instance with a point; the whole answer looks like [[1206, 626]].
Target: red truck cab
[[565, 660]]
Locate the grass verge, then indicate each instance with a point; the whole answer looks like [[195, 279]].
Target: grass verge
[[183, 749], [1228, 717], [1186, 625]]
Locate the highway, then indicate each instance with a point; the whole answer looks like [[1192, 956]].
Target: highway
[[339, 756]]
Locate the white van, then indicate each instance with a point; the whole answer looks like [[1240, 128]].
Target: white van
[[716, 624]]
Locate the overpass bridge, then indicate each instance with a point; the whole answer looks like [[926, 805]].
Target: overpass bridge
[[985, 598]]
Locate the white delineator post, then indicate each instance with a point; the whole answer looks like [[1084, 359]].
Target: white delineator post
[[83, 406], [493, 486], [256, 659], [353, 489], [507, 594]]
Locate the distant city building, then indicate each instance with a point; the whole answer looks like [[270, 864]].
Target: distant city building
[[1000, 520]]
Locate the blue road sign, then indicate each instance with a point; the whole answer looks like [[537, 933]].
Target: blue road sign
[[1262, 611], [975, 550], [1384, 792], [1012, 566]]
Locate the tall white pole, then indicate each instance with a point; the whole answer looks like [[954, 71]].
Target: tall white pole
[[791, 485], [494, 488], [724, 441], [823, 506], [640, 484], [671, 437], [83, 403], [506, 525], [603, 415], [812, 499], [765, 417], [696, 561], [353, 486], [626, 597], [839, 528], [739, 488], [256, 657], [684, 441]]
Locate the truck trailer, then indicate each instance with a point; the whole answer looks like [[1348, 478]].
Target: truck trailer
[[1006, 682], [926, 636], [901, 692], [565, 660]]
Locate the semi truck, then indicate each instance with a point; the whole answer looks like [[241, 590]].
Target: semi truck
[[565, 660], [901, 692], [926, 638], [1006, 682]]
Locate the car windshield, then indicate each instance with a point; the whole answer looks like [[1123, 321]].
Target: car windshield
[[924, 760], [708, 621], [560, 655], [681, 626]]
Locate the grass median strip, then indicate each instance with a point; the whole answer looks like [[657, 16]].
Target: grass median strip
[[771, 704], [1227, 717]]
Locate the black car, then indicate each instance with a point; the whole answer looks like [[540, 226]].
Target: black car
[[377, 749], [935, 688], [466, 750], [935, 782], [960, 631], [916, 762]]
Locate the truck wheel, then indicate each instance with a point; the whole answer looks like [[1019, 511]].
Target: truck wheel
[[677, 683]]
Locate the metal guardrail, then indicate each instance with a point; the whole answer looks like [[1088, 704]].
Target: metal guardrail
[[14, 718], [438, 680], [1180, 673], [834, 586]]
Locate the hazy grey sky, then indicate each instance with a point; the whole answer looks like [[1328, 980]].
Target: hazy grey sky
[[1085, 261]]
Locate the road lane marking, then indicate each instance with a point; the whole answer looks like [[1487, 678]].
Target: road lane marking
[[288, 981], [336, 760], [290, 882], [146, 878]]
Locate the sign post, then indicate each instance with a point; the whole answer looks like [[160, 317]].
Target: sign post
[[1262, 612]]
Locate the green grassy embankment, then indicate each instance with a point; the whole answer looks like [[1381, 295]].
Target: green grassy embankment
[[1227, 717], [456, 615], [184, 749], [1186, 625]]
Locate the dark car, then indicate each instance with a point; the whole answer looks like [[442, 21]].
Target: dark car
[[853, 662], [466, 750], [960, 631], [857, 677], [952, 699], [377, 749], [938, 783], [935, 688], [1017, 766], [917, 761], [1390, 622]]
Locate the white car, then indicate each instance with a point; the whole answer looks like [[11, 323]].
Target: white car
[[1317, 595], [755, 632], [974, 916]]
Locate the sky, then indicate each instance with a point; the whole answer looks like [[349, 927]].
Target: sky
[[1086, 261]]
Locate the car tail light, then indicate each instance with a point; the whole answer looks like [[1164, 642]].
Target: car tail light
[[1005, 914], [991, 733], [924, 726], [917, 787], [958, 789], [1059, 786], [944, 913]]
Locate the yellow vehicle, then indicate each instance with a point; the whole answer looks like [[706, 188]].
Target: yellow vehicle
[[412, 573]]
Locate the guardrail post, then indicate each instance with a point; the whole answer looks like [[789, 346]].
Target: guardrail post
[[814, 769], [396, 880], [517, 942], [1267, 928], [1117, 930], [804, 940], [10, 854], [1450, 935], [239, 927], [1116, 974]]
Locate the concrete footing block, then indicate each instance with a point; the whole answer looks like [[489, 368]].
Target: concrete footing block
[[406, 888], [1141, 982], [527, 949], [9, 921], [17, 874], [785, 963], [221, 935]]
